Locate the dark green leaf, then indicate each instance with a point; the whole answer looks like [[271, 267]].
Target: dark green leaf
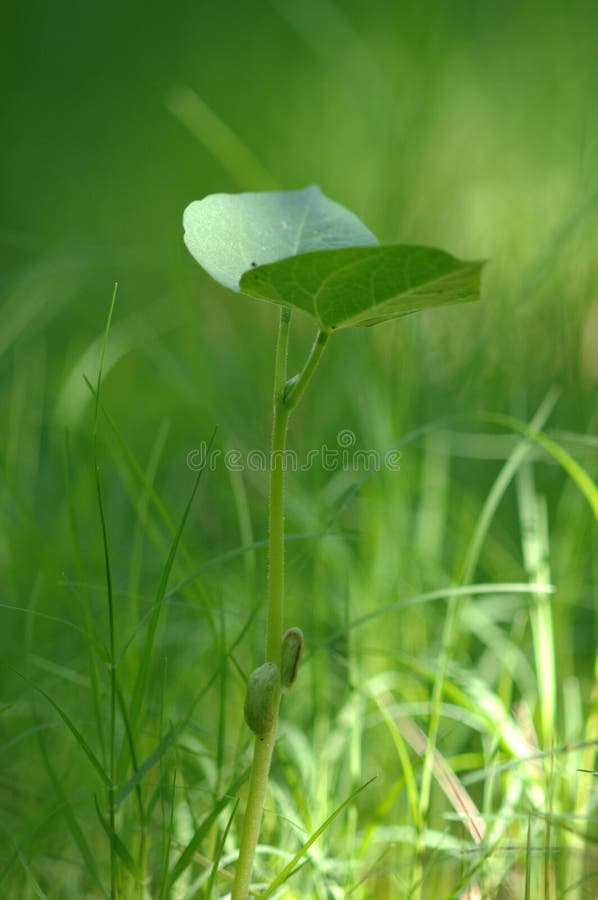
[[365, 285]]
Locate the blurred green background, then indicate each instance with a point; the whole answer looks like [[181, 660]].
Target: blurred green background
[[467, 125], [460, 124]]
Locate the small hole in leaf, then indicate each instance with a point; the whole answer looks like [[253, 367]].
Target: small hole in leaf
[[253, 265]]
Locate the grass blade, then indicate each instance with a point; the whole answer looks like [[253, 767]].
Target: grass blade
[[288, 869], [71, 821], [116, 843], [167, 831], [575, 471], [201, 831], [218, 854], [143, 674], [72, 728], [148, 763], [110, 600]]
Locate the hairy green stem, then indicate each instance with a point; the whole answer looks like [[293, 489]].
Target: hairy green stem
[[258, 784], [286, 396], [296, 390], [276, 532]]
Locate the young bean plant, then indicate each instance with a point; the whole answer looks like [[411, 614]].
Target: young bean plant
[[305, 253]]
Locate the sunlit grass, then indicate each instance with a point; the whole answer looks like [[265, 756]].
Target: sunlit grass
[[511, 787]]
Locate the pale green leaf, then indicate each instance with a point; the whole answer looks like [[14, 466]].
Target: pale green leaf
[[230, 233]]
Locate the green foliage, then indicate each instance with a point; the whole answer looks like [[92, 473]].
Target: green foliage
[[438, 124], [283, 246]]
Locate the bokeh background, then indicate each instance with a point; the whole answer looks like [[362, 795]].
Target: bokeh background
[[467, 125]]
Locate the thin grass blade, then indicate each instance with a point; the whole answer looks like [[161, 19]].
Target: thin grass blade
[[286, 872], [201, 831], [117, 844], [218, 854], [143, 674]]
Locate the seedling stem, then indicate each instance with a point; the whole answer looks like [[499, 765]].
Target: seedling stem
[[286, 397]]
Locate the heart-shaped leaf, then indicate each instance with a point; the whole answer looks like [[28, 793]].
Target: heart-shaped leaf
[[231, 233], [365, 285]]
